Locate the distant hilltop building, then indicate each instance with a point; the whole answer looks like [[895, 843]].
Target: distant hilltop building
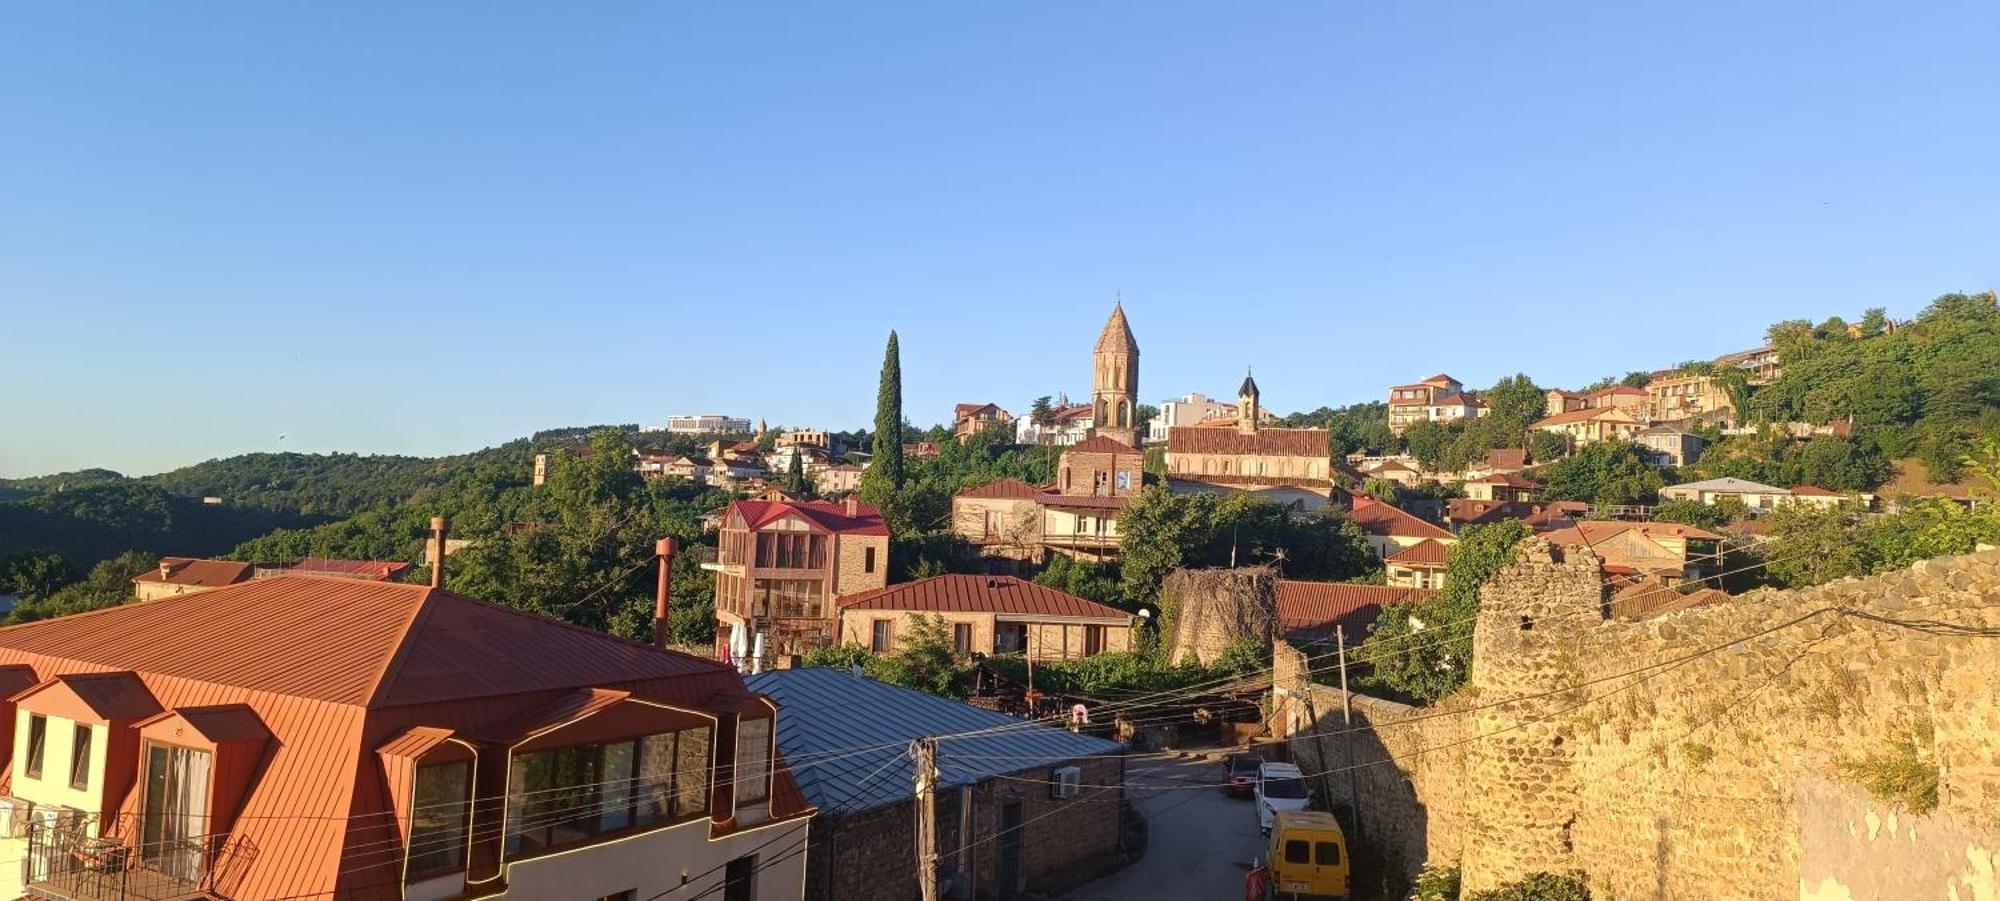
[[1285, 466], [1439, 398], [706, 424], [1193, 409]]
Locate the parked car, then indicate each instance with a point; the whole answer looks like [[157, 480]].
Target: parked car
[[1242, 774], [1280, 786], [1308, 857]]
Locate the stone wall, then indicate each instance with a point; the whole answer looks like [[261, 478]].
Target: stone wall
[[1701, 753], [1207, 610]]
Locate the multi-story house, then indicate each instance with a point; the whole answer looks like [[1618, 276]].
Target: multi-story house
[[1002, 518], [968, 421], [1068, 424], [1421, 565], [1390, 530], [1011, 519], [781, 564], [314, 737], [1502, 487], [1669, 446], [1287, 466], [1439, 398], [707, 424], [1675, 397], [1194, 409], [659, 465], [1663, 552], [1762, 364], [1591, 425], [805, 438], [839, 478]]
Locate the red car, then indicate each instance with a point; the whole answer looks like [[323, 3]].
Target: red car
[[1243, 774]]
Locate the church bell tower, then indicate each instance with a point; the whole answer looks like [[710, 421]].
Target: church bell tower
[[1114, 381]]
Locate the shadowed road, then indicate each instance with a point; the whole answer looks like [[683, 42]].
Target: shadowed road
[[1200, 843]]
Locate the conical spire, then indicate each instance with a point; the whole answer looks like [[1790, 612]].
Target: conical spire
[[1117, 335], [1249, 388]]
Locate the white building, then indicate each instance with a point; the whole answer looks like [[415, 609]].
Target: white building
[[706, 424]]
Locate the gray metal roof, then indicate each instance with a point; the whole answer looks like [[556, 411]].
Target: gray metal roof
[[825, 713], [1728, 483]]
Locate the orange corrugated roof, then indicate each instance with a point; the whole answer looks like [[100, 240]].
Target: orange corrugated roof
[[347, 641], [1004, 595], [219, 723], [825, 514]]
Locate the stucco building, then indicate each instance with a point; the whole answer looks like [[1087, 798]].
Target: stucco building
[[1000, 615]]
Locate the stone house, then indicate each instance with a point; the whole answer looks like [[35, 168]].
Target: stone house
[[1020, 807], [987, 615], [1669, 446], [781, 564], [1680, 396], [1001, 518], [1101, 467]]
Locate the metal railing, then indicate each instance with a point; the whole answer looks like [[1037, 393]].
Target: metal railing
[[70, 858]]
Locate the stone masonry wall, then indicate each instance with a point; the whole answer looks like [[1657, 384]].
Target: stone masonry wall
[[1210, 609], [1699, 754]]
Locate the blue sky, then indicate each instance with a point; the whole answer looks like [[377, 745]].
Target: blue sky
[[428, 228]]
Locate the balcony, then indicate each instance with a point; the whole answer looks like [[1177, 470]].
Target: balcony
[[65, 861]]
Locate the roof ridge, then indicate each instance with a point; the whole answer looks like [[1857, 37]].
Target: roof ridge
[[393, 666], [584, 630]]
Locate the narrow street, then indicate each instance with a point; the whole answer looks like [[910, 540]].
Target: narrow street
[[1201, 840]]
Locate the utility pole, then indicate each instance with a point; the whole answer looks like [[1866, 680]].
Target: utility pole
[[924, 752], [1347, 732]]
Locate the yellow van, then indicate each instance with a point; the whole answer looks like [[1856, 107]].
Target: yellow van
[[1308, 857]]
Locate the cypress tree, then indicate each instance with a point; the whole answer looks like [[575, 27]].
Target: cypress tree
[[885, 473]]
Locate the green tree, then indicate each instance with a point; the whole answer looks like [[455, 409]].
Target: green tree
[[1693, 513], [1161, 532], [1428, 442], [1810, 545], [795, 477], [886, 472], [108, 584], [1425, 651], [1608, 472]]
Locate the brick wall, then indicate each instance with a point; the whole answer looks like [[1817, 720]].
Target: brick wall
[[1079, 473], [872, 855]]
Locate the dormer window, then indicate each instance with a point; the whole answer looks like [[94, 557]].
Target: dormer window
[[753, 762], [440, 813]]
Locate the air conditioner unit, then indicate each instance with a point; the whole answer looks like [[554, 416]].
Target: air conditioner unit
[[14, 813], [1068, 781]]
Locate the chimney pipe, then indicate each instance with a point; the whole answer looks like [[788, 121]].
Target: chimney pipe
[[664, 549], [166, 570], [853, 506], [440, 525]]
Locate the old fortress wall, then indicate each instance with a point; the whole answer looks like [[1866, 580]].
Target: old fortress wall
[[1706, 753]]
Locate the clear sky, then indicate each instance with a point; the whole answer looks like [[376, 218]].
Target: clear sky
[[431, 227]]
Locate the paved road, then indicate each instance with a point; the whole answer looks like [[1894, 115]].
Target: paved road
[[1201, 840]]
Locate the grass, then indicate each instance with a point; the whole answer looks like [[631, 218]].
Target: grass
[[1697, 755], [1898, 775]]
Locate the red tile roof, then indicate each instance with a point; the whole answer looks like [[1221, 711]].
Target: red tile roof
[[1378, 518], [1263, 442], [1004, 595], [1309, 611], [827, 515], [1429, 553], [1005, 488], [198, 572], [1507, 458], [1099, 444]]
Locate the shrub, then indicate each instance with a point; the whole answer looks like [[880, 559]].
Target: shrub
[[1436, 884], [1571, 886], [1899, 775]]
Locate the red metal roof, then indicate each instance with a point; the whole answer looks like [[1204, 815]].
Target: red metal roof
[[1378, 518], [378, 570], [1309, 611], [1003, 595], [827, 515], [1005, 488], [197, 572], [1429, 553], [1099, 444]]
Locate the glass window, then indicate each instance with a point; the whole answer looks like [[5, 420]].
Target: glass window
[[1093, 640], [1298, 850], [565, 795], [439, 809], [753, 761], [878, 638], [961, 637], [1326, 854], [38, 735], [79, 758], [868, 560]]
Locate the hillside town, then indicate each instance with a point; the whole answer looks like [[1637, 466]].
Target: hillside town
[[890, 451], [1142, 599]]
